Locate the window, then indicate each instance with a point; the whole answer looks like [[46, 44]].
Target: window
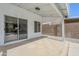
[[36, 26]]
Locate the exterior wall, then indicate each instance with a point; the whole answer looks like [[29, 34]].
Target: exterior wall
[[72, 30], [1, 29], [59, 30], [49, 30], [11, 10], [53, 30], [52, 20]]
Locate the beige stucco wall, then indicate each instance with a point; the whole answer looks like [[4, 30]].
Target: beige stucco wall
[[49, 29], [53, 30], [72, 30]]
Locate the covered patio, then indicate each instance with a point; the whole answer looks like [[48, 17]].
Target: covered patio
[[44, 34], [42, 46]]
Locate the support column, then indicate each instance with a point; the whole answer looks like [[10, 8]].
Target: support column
[[63, 29]]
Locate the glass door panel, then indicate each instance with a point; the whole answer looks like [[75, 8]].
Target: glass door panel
[[11, 29], [22, 29]]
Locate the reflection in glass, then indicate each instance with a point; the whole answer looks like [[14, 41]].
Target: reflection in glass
[[15, 29], [10, 29], [36, 26], [22, 29]]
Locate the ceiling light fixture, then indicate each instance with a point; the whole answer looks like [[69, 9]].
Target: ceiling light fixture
[[37, 8]]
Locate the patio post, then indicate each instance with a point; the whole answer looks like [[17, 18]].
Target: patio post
[[63, 29]]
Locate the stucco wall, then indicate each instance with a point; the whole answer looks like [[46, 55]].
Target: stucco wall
[[72, 30], [52, 20], [11, 10], [53, 30], [49, 26], [49, 30]]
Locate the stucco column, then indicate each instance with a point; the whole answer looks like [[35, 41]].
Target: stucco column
[[63, 29]]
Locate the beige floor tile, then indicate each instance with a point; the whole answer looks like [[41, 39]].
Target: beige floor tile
[[42, 47]]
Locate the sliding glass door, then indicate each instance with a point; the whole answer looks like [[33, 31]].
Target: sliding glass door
[[22, 29], [11, 29], [15, 29]]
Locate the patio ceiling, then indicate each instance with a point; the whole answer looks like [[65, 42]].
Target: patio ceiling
[[46, 9], [63, 8]]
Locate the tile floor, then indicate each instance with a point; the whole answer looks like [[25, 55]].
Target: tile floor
[[43, 47]]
